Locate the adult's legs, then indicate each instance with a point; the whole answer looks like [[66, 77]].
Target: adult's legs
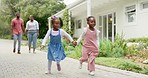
[[29, 40], [34, 41], [19, 42], [15, 40]]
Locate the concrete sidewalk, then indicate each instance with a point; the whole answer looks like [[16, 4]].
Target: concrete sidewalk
[[29, 65]]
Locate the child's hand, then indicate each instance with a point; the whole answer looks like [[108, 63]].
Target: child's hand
[[42, 47], [74, 43]]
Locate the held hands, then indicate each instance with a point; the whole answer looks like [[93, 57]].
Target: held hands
[[74, 43], [42, 47], [25, 33]]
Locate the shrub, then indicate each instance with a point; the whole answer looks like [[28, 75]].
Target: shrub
[[105, 48], [113, 49], [142, 43], [117, 52], [71, 51], [144, 40]]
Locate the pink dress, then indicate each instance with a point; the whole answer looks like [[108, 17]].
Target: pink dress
[[90, 49]]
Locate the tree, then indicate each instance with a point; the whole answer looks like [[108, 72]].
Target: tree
[[68, 22], [40, 9], [65, 19]]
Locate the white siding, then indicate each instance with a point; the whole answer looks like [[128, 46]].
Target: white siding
[[78, 32], [131, 30], [134, 30]]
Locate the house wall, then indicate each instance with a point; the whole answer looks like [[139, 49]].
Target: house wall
[[131, 30], [82, 17], [136, 29], [139, 27]]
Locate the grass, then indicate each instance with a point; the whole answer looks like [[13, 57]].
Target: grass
[[121, 63], [110, 61]]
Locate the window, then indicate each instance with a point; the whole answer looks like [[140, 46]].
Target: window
[[130, 13], [100, 21], [79, 24], [144, 5]]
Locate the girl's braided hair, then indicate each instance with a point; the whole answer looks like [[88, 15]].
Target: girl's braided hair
[[53, 18]]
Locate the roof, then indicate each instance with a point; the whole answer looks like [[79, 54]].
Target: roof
[[70, 6]]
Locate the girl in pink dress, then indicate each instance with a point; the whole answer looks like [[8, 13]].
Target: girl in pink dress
[[90, 47]]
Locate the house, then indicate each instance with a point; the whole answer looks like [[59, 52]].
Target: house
[[129, 17], [0, 3]]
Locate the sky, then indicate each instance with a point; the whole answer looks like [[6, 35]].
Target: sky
[[67, 2]]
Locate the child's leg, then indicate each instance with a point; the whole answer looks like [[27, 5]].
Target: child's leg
[[83, 58], [49, 67], [49, 64], [91, 65], [58, 66]]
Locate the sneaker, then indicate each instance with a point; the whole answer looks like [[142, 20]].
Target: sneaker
[[29, 51], [47, 72], [13, 50], [58, 67], [92, 73], [18, 52], [34, 52]]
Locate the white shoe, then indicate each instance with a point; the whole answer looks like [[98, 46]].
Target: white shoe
[[34, 52], [92, 73], [47, 72], [29, 51]]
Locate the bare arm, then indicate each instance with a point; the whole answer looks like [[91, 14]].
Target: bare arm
[[12, 24], [22, 26], [27, 25]]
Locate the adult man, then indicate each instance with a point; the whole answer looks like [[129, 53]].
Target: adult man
[[17, 27]]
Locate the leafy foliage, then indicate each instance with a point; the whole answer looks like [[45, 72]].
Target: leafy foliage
[[113, 49], [40, 9], [144, 40], [68, 22], [65, 19]]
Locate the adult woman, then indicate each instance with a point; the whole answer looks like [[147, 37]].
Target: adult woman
[[32, 27]]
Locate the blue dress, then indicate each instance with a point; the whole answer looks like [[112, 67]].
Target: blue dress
[[55, 49]]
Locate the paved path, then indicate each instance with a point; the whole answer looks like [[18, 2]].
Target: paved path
[[29, 65]]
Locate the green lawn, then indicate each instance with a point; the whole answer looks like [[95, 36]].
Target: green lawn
[[121, 63]]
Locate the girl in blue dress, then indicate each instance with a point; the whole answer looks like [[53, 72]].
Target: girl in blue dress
[[55, 49]]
